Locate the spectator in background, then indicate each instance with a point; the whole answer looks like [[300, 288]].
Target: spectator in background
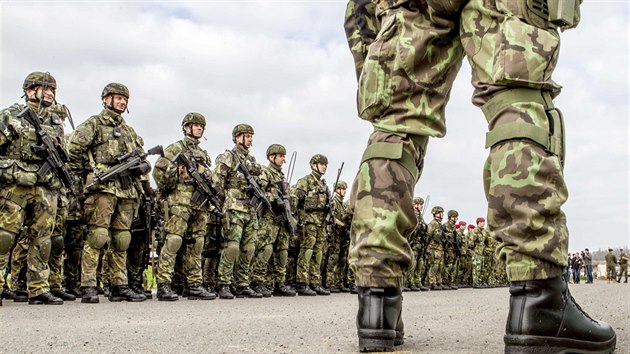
[[567, 275], [576, 266], [588, 265]]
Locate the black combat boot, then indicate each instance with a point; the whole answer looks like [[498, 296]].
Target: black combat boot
[[165, 293], [63, 295], [319, 290], [225, 293], [435, 287], [423, 288], [246, 291], [414, 288], [334, 290], [46, 298], [198, 292], [90, 295], [123, 293], [303, 290], [260, 288], [138, 289], [7, 294], [544, 318], [20, 295], [283, 290], [75, 290], [379, 320], [343, 289]]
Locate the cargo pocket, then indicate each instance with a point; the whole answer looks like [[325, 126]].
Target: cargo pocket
[[375, 84], [6, 172], [25, 174], [526, 54]]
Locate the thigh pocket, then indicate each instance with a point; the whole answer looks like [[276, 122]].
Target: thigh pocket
[[525, 54], [375, 83]]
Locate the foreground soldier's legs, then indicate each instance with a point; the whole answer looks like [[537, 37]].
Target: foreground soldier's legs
[[405, 84]]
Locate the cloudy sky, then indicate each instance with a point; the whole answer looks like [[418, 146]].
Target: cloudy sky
[[284, 67]]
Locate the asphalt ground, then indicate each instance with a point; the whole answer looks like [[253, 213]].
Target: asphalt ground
[[461, 321]]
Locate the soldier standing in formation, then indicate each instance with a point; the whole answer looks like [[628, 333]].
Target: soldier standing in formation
[[338, 240], [30, 199], [310, 198], [623, 266], [611, 263], [408, 54], [451, 256], [109, 206], [418, 242], [240, 223], [274, 233], [435, 251], [187, 215]]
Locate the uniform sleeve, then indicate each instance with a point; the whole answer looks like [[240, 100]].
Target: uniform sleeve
[[78, 143], [6, 134]]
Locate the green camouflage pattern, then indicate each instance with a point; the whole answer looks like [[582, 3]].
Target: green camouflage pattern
[[239, 244], [413, 275], [405, 84], [361, 27], [309, 200], [451, 261], [337, 243], [231, 183]]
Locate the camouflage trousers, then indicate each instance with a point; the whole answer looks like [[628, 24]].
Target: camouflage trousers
[[311, 252], [450, 269], [413, 275], [273, 240], [108, 219], [489, 268], [30, 211], [186, 227], [74, 240], [211, 253], [240, 231], [477, 270], [334, 263], [405, 84], [623, 272], [465, 272], [435, 262]]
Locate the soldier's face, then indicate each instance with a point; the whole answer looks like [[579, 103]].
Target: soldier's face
[[278, 159], [195, 130], [46, 96], [118, 102], [341, 192], [246, 139], [322, 168], [481, 224]]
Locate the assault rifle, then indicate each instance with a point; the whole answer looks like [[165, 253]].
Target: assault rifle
[[204, 188], [450, 242], [284, 208], [50, 149], [130, 163], [143, 226], [254, 190], [330, 218]]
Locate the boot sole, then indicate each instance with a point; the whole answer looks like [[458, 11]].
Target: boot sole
[[200, 298], [167, 299], [39, 302], [89, 301], [121, 299], [376, 340], [547, 345]]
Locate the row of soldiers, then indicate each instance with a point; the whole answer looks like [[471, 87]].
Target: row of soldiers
[[449, 255], [87, 195]]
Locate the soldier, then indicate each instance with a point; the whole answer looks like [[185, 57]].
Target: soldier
[[188, 216], [623, 265], [451, 250], [418, 242], [109, 206], [29, 198], [310, 198], [211, 252], [435, 251], [240, 224], [406, 79], [338, 241], [276, 227], [611, 263]]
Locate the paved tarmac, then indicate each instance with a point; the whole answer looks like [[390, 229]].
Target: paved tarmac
[[461, 321]]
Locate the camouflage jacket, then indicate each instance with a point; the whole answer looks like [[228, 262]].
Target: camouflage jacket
[[611, 260], [19, 164], [450, 238], [343, 218], [477, 241], [310, 199], [434, 232], [173, 186], [232, 183], [100, 140], [273, 182]]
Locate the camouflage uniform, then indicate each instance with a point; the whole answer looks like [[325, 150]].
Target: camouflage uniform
[[623, 266], [611, 263], [273, 235], [109, 207], [211, 252], [435, 252], [417, 241], [451, 257], [465, 265], [310, 196], [338, 241], [28, 200], [186, 225], [240, 224]]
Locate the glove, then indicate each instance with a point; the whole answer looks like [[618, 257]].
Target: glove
[[141, 169], [217, 213]]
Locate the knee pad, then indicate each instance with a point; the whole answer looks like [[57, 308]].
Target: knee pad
[[173, 243], [308, 254], [551, 138], [399, 152], [232, 249], [56, 246], [97, 237], [121, 240], [282, 258], [249, 249], [197, 245], [42, 246], [6, 241]]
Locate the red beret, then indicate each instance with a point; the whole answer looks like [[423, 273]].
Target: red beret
[[471, 226], [480, 219], [462, 223]]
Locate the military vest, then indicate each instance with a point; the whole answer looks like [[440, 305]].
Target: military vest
[[234, 183]]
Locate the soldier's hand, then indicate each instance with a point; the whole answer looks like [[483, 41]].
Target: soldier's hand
[[181, 170]]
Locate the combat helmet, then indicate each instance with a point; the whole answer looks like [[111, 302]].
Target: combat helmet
[[39, 78], [115, 88], [418, 200], [452, 213], [342, 185], [274, 149], [194, 118], [241, 129], [437, 209], [319, 158]]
